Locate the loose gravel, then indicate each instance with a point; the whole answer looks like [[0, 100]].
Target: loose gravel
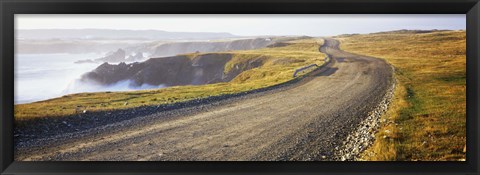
[[326, 115]]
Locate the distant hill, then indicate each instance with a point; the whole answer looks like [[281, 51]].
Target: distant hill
[[117, 34], [405, 31], [402, 31]]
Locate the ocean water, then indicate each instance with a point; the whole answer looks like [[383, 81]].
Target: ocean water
[[45, 76]]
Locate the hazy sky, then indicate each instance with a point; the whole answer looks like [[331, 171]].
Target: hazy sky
[[248, 25]]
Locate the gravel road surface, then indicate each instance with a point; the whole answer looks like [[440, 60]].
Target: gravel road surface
[[308, 120]]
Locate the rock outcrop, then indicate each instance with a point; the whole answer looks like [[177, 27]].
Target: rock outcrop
[[196, 69], [170, 71], [117, 56], [114, 57]]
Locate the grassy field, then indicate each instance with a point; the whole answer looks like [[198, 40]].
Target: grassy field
[[279, 63], [427, 118]]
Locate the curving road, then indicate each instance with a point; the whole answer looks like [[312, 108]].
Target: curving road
[[306, 121]]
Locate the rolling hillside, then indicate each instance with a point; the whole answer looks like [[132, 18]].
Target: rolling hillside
[[427, 118]]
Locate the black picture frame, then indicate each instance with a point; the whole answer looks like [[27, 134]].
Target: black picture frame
[[10, 7]]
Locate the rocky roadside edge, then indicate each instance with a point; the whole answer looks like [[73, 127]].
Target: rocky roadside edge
[[364, 135]]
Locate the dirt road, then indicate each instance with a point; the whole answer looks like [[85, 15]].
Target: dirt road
[[305, 122]]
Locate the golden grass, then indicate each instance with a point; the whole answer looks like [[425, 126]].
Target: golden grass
[[384, 147], [427, 119], [279, 65]]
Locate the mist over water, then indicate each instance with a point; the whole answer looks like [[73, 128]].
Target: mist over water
[[44, 76], [78, 86]]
